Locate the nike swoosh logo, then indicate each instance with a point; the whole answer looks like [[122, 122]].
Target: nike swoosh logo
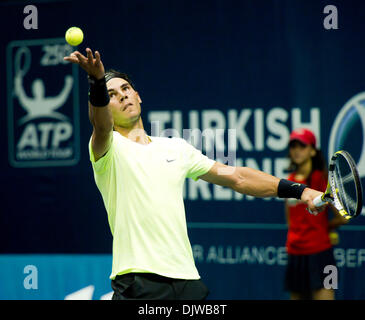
[[170, 160]]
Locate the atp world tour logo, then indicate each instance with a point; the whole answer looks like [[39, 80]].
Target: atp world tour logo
[[43, 114], [348, 132]]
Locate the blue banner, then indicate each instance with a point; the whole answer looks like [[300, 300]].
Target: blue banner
[[55, 277]]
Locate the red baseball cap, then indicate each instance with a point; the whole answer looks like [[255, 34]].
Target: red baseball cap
[[303, 135]]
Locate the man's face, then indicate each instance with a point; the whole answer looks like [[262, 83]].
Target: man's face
[[125, 103]]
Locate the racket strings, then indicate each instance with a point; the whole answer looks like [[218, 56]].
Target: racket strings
[[335, 195], [345, 186]]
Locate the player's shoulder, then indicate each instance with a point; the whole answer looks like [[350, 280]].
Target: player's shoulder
[[117, 135], [169, 140], [119, 139]]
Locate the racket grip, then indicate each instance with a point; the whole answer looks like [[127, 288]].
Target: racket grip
[[318, 202]]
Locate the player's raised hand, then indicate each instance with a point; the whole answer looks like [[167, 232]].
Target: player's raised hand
[[92, 65]]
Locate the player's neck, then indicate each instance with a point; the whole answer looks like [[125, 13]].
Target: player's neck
[[303, 171], [135, 133]]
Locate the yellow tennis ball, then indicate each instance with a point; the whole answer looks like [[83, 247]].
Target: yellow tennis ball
[[74, 36], [334, 238]]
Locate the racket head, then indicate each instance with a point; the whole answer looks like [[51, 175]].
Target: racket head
[[345, 183]]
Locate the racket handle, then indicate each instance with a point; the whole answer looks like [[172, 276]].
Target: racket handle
[[318, 202]]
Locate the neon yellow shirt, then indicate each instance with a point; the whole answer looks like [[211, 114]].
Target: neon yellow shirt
[[142, 190]]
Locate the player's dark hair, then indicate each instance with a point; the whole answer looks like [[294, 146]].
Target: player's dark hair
[[111, 73], [318, 163]]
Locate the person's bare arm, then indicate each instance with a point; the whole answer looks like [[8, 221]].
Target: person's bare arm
[[253, 182], [101, 137], [243, 180], [100, 117]]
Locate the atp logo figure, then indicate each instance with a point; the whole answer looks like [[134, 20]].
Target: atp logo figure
[[40, 105]]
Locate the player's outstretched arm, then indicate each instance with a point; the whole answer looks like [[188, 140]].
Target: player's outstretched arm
[[99, 114], [257, 183]]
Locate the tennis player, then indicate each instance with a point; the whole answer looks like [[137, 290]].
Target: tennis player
[[308, 244], [141, 179]]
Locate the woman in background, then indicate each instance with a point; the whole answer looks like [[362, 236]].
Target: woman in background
[[309, 244]]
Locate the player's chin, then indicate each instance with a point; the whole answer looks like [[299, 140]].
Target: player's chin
[[130, 110], [129, 120], [131, 115]]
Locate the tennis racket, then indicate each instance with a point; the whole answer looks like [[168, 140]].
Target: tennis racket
[[344, 189]]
